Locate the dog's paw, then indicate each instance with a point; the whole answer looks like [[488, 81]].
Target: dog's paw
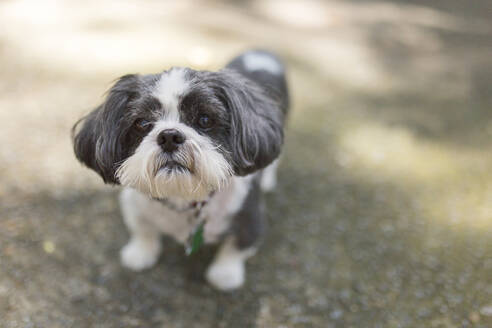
[[268, 182], [226, 275], [137, 255]]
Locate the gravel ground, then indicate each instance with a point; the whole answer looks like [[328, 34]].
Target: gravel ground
[[383, 213]]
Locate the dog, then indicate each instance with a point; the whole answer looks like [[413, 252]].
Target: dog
[[194, 151]]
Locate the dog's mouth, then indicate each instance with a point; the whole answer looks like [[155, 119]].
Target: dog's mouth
[[173, 166]]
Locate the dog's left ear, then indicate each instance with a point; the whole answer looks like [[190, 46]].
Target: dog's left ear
[[256, 122]]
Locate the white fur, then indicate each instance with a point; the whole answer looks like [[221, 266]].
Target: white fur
[[141, 213], [146, 219], [208, 169], [170, 87], [255, 61], [144, 247], [140, 253], [224, 204], [140, 210], [227, 270], [269, 176]]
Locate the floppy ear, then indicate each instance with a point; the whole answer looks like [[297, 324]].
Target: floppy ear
[[256, 122], [97, 137]]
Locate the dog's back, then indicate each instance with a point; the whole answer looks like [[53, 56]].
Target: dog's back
[[266, 69]]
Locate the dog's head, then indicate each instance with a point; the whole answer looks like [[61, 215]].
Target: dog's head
[[181, 133]]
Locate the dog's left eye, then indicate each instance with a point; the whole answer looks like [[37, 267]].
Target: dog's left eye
[[142, 125], [205, 122]]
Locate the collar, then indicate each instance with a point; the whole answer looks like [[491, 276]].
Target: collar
[[195, 238], [193, 205], [190, 206]]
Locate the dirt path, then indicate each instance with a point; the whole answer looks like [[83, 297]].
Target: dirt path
[[383, 215]]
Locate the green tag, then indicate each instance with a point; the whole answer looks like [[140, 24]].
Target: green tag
[[195, 240]]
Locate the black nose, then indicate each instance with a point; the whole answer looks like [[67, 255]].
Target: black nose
[[170, 139]]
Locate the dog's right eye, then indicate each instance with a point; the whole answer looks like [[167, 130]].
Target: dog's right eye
[[142, 125]]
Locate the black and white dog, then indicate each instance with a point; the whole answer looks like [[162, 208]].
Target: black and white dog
[[191, 147]]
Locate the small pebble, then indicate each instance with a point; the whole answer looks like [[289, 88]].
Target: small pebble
[[336, 314], [48, 246], [474, 317], [486, 310]]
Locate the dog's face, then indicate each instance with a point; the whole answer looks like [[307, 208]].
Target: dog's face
[[182, 133]]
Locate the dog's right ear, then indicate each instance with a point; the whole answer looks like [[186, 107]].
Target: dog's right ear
[[85, 134], [97, 136]]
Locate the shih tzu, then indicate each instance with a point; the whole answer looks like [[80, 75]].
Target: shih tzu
[[194, 151]]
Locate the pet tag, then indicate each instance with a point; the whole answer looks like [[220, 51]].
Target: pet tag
[[195, 240]]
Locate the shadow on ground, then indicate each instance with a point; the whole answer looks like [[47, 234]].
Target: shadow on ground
[[382, 216]]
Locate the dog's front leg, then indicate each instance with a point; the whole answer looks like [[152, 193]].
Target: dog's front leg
[[227, 270], [144, 247]]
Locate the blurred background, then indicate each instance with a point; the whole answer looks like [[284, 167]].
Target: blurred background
[[383, 213]]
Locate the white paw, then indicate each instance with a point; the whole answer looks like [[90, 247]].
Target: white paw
[[268, 182], [138, 255], [269, 177], [226, 275]]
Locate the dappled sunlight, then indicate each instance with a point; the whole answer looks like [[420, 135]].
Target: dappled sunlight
[[104, 37], [110, 37], [333, 38], [347, 63], [408, 13], [295, 14], [462, 205], [394, 151], [383, 211], [448, 182]]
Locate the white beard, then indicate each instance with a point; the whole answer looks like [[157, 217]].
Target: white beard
[[203, 170]]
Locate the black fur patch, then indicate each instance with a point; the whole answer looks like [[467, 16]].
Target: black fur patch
[[101, 139], [249, 223], [255, 133]]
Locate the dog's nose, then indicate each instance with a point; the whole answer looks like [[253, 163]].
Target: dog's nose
[[170, 139]]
